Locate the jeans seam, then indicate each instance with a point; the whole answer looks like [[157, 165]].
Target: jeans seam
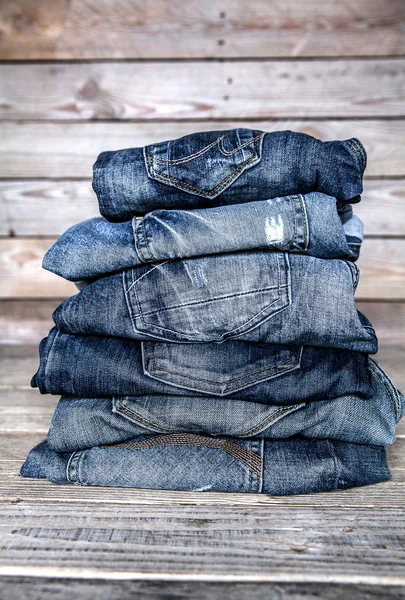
[[390, 389], [147, 241], [51, 357], [201, 302], [74, 459], [219, 187], [120, 408], [358, 151], [138, 245], [306, 225], [275, 372], [335, 462]]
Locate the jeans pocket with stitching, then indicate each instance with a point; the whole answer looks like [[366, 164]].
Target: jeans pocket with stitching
[[204, 164], [207, 299]]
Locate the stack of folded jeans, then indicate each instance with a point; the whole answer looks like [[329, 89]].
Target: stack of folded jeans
[[215, 343]]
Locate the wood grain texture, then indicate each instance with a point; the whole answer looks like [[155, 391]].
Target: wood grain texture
[[16, 490], [69, 150], [49, 207], [21, 275], [203, 90], [63, 29], [218, 544], [42, 588]]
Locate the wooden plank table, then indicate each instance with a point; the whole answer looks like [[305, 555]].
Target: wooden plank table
[[113, 542]]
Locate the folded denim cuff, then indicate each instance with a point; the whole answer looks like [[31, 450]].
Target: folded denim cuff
[[358, 151], [141, 241]]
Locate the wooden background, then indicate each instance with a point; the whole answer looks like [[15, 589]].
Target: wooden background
[[81, 76]]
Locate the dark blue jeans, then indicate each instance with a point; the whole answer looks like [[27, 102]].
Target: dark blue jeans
[[94, 366], [217, 168], [271, 297]]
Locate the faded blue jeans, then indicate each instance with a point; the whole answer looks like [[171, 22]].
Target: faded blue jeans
[[186, 461], [80, 423], [217, 168], [94, 366], [308, 224], [257, 296]]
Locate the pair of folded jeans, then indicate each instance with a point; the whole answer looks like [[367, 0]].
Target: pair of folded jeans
[[310, 224], [226, 353], [218, 168], [190, 462], [93, 366], [257, 296]]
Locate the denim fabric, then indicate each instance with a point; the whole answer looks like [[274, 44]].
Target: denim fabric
[[92, 366], [271, 297], [186, 461], [216, 168], [306, 224], [85, 422]]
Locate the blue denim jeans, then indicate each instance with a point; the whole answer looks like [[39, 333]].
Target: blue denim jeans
[[94, 366], [186, 461], [217, 168], [308, 224], [258, 296], [80, 423]]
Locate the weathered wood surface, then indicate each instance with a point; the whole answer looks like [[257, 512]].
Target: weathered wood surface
[[21, 275], [346, 537], [203, 90], [215, 544], [62, 29], [15, 588], [48, 207], [69, 150]]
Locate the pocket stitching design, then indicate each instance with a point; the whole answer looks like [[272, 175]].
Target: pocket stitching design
[[121, 408], [251, 460], [168, 179], [295, 354], [231, 333], [264, 423]]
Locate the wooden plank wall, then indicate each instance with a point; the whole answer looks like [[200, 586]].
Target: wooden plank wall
[[79, 77]]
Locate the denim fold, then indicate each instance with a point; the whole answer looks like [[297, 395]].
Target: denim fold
[[310, 224], [94, 366], [190, 462], [270, 297], [216, 168]]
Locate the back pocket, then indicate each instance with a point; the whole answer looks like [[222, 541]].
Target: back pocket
[[221, 369], [200, 414], [208, 299], [206, 163]]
